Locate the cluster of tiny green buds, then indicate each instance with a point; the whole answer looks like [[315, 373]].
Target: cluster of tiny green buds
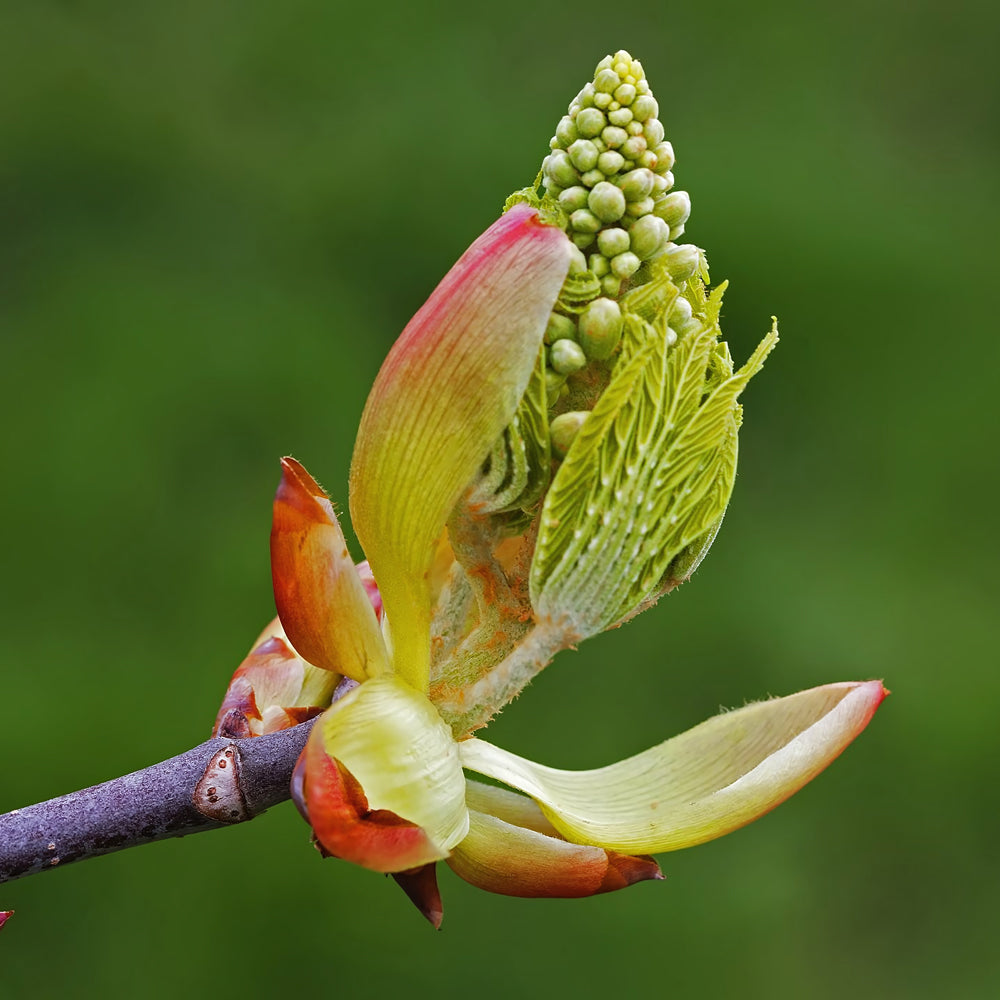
[[564, 429], [609, 171]]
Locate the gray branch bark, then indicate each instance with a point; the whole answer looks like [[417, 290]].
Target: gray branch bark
[[220, 782]]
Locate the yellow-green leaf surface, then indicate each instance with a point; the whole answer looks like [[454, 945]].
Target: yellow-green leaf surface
[[449, 387], [508, 806], [517, 471], [700, 785], [649, 474]]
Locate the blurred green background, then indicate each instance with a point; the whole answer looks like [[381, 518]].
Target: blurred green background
[[216, 216]]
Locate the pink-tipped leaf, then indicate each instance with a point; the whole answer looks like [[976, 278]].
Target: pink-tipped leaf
[[700, 785], [447, 389], [322, 602]]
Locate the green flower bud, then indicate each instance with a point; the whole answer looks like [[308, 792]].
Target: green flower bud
[[625, 94], [592, 177], [673, 208], [680, 311], [683, 261], [610, 163], [649, 236], [564, 429], [652, 132], [637, 184], [566, 357], [662, 183], [599, 264], [622, 118], [612, 242], [676, 231], [583, 154], [603, 101], [647, 159], [611, 285], [606, 81], [664, 152], [607, 202], [644, 107], [585, 222], [637, 209], [634, 129], [601, 327], [582, 240], [560, 169], [577, 261], [553, 383], [682, 319], [573, 198], [590, 122], [625, 265], [584, 99], [559, 327], [634, 147], [614, 136], [565, 131]]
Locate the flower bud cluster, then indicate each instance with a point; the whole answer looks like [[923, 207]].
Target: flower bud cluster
[[609, 170]]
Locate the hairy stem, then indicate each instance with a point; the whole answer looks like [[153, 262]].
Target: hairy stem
[[470, 708], [215, 784]]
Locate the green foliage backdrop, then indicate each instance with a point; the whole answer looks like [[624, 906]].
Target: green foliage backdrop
[[214, 219]]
